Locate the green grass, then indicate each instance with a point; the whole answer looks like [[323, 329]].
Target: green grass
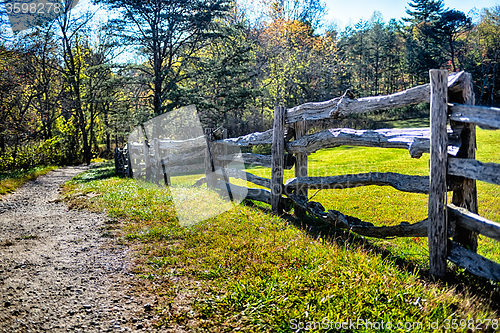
[[10, 181], [387, 206], [249, 270]]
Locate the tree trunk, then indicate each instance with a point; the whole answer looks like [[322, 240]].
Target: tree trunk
[[157, 66], [2, 144]]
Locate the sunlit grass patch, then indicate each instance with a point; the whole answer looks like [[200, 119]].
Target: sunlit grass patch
[[193, 205], [99, 160], [186, 180], [10, 181], [383, 205]]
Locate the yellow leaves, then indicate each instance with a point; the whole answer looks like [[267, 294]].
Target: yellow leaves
[[489, 27], [295, 57], [292, 33]]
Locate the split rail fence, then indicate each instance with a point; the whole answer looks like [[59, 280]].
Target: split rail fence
[[451, 229]]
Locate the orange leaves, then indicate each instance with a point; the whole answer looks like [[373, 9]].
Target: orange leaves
[[291, 33]]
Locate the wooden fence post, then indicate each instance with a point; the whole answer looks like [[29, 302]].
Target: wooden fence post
[[222, 151], [119, 167], [277, 161], [466, 195], [437, 232], [158, 163], [224, 148], [209, 160], [128, 159], [147, 159], [300, 164], [166, 175], [164, 167]]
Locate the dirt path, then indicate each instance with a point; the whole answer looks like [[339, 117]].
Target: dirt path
[[57, 272]]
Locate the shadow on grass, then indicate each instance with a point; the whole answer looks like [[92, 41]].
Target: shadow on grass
[[97, 172], [457, 278]]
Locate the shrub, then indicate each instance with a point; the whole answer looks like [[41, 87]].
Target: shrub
[[54, 151]]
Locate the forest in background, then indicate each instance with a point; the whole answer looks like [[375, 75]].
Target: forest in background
[[65, 97]]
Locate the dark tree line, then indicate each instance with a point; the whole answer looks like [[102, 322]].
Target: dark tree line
[[65, 98]]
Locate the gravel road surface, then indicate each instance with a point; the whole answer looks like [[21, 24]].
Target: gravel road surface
[[57, 271]]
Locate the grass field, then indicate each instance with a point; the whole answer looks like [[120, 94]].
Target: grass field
[[387, 206], [249, 270]]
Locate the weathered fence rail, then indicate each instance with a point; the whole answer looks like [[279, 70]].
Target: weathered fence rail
[[345, 105], [452, 165], [405, 183]]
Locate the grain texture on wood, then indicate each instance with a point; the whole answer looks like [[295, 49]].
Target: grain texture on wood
[[221, 165], [415, 140], [473, 262], [343, 106], [209, 159], [129, 172], [135, 147], [240, 174], [437, 231], [223, 148], [183, 144], [185, 168], [312, 111], [257, 138], [119, 161], [474, 169], [354, 224], [456, 82], [166, 175], [199, 182], [418, 229], [147, 160], [247, 158], [347, 106], [243, 192], [158, 174], [405, 183], [300, 130], [484, 117], [474, 222], [466, 193], [181, 158], [277, 161]]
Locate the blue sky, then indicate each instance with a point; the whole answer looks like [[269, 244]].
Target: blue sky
[[342, 11]]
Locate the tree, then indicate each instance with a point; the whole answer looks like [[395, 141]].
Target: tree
[[292, 57], [489, 47], [395, 69], [451, 25], [309, 12], [424, 11], [15, 99], [169, 33], [224, 86], [377, 39], [45, 68], [374, 53], [74, 47], [423, 42]]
